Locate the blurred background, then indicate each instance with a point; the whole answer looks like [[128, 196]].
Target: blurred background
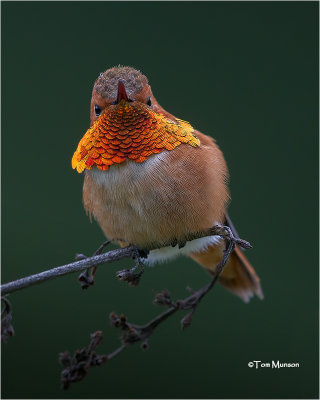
[[245, 73]]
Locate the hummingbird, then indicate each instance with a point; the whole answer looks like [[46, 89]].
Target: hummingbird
[[152, 179]]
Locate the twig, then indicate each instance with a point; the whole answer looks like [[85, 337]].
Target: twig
[[129, 275], [86, 278], [6, 318], [110, 256], [77, 366], [133, 333]]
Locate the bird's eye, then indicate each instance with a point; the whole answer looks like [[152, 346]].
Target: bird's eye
[[97, 110], [149, 102]]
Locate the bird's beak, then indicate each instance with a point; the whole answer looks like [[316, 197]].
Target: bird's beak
[[122, 94]]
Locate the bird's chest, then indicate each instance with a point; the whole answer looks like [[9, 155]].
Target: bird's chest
[[148, 205], [125, 190], [135, 202]]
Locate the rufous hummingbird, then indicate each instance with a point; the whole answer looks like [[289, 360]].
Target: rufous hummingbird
[[152, 179]]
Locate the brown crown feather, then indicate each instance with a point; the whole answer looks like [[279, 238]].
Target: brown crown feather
[[107, 83]]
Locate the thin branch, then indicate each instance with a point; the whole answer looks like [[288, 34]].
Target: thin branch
[[133, 333], [6, 318], [77, 365], [110, 256]]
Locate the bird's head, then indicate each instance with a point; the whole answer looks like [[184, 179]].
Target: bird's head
[[127, 123], [116, 84]]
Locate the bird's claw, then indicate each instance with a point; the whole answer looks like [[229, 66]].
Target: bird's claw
[[142, 253], [226, 232]]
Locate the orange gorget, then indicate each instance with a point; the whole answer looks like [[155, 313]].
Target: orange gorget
[[129, 130]]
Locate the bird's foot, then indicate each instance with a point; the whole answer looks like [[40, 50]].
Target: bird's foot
[[86, 278], [226, 233], [141, 253]]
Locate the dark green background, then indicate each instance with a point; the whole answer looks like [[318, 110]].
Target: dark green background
[[245, 73]]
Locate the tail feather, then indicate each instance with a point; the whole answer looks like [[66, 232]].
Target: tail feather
[[238, 276], [244, 282]]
